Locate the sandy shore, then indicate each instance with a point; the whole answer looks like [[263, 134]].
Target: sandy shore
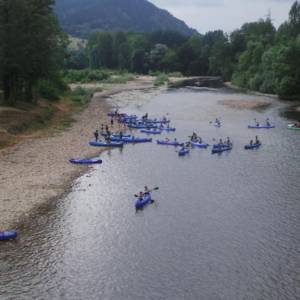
[[37, 171], [246, 104]]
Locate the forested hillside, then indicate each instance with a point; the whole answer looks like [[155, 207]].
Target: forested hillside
[[82, 17], [256, 56], [34, 60]]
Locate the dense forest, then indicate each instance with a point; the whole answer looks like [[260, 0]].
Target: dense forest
[[256, 56], [31, 49], [34, 57]]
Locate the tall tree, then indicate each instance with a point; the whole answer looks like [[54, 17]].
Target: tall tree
[[31, 46]]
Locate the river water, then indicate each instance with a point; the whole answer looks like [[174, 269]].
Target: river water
[[222, 226]]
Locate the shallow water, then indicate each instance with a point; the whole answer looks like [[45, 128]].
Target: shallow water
[[222, 226]]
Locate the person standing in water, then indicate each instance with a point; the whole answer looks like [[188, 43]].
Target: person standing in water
[[228, 142], [96, 135]]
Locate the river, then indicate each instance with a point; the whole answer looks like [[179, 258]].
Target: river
[[222, 226]]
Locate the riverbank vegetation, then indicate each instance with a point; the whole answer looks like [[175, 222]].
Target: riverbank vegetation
[[37, 63], [256, 56]]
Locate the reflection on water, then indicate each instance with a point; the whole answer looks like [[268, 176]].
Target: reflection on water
[[293, 112], [222, 227]]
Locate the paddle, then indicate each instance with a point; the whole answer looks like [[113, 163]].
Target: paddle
[[151, 190]]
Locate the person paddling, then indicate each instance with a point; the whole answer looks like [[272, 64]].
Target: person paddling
[[268, 122], [141, 196], [194, 137], [146, 191]]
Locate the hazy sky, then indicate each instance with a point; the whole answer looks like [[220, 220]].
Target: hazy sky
[[205, 15]]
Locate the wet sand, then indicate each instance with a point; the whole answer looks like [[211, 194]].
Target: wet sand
[[37, 171], [245, 104]]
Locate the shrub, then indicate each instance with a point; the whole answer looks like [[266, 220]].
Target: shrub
[[85, 76], [175, 74], [161, 79], [48, 90]]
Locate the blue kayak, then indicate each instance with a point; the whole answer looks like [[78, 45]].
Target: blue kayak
[[253, 146], [121, 136], [199, 145], [154, 121], [140, 203], [129, 117], [183, 151], [132, 139], [85, 161], [141, 126], [261, 126], [104, 144], [169, 143], [167, 129], [220, 149], [115, 134], [129, 120], [7, 235], [149, 131], [218, 125]]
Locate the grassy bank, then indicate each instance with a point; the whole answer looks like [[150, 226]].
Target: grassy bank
[[26, 120], [99, 76]]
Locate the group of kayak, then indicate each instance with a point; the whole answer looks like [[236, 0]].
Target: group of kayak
[[118, 139], [147, 125], [197, 142], [258, 125]]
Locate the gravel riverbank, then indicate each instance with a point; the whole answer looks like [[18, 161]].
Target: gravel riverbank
[[36, 171]]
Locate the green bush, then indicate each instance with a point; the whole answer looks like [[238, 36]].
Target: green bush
[[287, 87], [48, 90], [255, 82], [81, 96], [175, 74], [161, 79], [85, 76], [122, 78]]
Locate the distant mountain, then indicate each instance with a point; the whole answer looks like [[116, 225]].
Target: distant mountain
[[81, 17]]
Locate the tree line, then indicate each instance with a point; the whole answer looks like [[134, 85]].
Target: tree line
[[31, 47], [33, 52], [256, 56]]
